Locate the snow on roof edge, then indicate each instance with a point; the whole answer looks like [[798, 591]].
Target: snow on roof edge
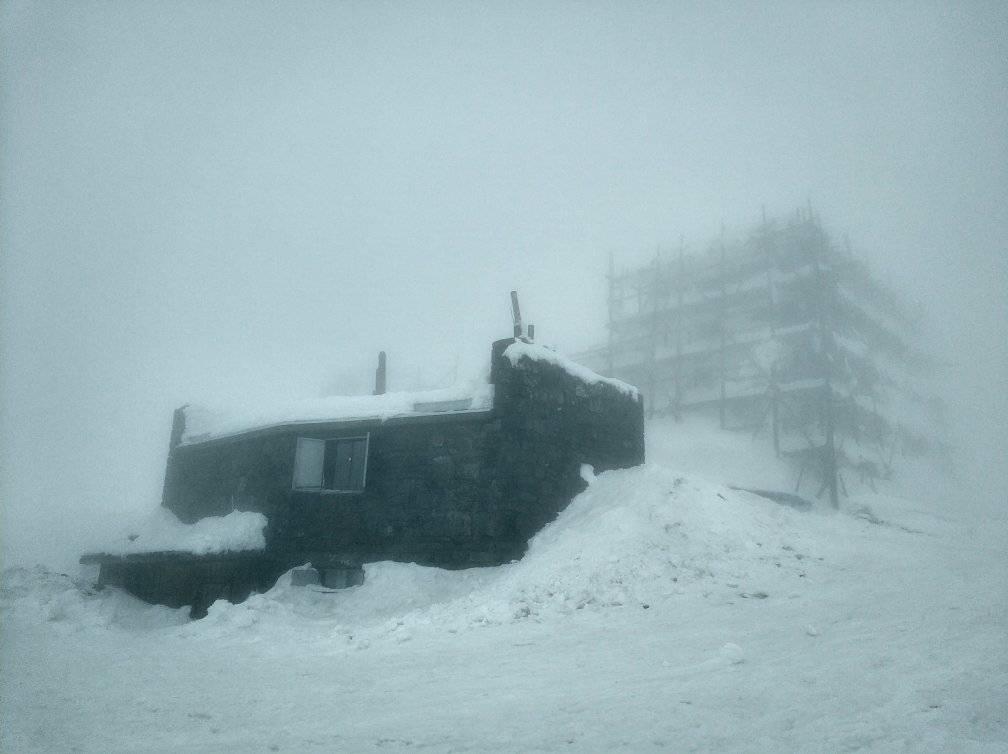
[[203, 424], [519, 348]]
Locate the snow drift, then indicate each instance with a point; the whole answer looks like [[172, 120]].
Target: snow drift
[[634, 537], [659, 609]]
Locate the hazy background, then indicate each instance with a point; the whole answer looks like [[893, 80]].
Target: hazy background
[[209, 200]]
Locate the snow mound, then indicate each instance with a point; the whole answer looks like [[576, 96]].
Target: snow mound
[[71, 604], [643, 534], [633, 538], [238, 531]]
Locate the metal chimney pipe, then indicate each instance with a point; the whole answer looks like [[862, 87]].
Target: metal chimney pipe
[[516, 315], [380, 373]]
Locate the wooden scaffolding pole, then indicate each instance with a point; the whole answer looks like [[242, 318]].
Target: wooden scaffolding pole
[[653, 288], [611, 278], [768, 257], [680, 293], [723, 332], [824, 299]]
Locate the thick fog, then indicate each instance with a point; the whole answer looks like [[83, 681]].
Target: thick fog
[[209, 201]]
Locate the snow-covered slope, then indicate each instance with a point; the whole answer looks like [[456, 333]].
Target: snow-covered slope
[[660, 610], [698, 447], [634, 537]]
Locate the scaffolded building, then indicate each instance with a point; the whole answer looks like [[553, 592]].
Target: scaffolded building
[[784, 333]]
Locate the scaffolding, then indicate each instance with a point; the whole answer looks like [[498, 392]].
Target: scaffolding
[[781, 332]]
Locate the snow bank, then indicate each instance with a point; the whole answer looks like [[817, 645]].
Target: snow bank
[[644, 534], [71, 604], [634, 537], [202, 423], [41, 596], [519, 349], [238, 531], [764, 630]]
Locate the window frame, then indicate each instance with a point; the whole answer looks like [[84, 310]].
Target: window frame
[[366, 437]]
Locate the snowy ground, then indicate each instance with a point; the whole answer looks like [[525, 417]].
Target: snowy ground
[[662, 610]]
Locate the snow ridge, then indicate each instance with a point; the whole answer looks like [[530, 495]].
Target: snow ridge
[[520, 349]]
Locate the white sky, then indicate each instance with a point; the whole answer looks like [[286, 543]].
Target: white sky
[[209, 200]]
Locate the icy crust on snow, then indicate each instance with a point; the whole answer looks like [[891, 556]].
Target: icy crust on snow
[[238, 531], [203, 423], [519, 349]]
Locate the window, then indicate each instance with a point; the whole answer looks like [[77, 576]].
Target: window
[[338, 465]]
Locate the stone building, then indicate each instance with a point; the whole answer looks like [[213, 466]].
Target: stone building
[[446, 478]]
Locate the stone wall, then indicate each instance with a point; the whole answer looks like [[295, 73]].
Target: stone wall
[[175, 580], [552, 422], [425, 498]]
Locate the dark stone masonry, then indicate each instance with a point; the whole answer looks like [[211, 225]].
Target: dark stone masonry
[[455, 490]]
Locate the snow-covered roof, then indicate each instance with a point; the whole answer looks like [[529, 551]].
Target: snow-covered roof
[[202, 423], [519, 349]]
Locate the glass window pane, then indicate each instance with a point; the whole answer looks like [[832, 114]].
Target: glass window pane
[[344, 464], [329, 475], [358, 456], [336, 465], [308, 463]]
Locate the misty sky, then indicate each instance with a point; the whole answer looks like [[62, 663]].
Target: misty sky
[[210, 201]]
